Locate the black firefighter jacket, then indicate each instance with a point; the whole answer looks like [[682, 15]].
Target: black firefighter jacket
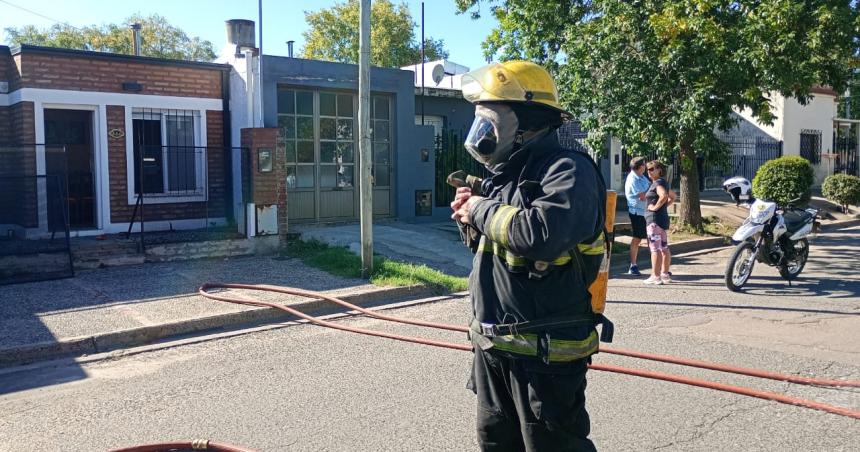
[[547, 200]]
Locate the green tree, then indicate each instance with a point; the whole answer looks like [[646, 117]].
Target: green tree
[[665, 75], [158, 38], [333, 35]]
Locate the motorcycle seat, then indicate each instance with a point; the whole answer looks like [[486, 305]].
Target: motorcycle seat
[[795, 219]]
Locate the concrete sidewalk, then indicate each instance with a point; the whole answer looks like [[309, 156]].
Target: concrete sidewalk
[[104, 309]]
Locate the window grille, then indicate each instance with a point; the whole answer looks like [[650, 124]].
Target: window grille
[[810, 145]]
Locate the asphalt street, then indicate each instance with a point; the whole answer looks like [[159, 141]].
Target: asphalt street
[[305, 388]]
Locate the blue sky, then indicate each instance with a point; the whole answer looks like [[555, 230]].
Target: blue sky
[[282, 20]]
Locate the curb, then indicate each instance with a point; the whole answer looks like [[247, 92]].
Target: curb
[[840, 224], [688, 246], [104, 342], [678, 248]]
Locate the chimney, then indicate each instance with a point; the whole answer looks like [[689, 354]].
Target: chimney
[[290, 48], [135, 29]]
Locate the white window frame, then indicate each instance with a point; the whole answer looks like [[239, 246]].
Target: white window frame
[[201, 192]]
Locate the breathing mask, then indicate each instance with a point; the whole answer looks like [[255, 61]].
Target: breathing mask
[[493, 134]]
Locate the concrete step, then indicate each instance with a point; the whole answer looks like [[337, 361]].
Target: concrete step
[[109, 261]]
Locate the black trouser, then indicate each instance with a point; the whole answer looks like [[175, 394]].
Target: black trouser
[[525, 405]]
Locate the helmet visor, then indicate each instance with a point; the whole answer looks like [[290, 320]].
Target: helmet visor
[[491, 83]]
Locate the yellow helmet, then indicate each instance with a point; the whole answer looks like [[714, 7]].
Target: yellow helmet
[[512, 81]]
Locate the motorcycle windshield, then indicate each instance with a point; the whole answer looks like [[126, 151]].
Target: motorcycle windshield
[[761, 211]]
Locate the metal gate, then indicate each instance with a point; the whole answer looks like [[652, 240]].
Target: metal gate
[[747, 154], [673, 169], [34, 214], [845, 147], [452, 156], [572, 135]]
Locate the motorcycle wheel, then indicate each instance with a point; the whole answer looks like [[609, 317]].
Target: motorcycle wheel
[[740, 266], [792, 269]]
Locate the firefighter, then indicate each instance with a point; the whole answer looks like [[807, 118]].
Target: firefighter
[[539, 223]]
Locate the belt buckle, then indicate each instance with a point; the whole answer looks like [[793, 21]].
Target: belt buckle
[[488, 329]]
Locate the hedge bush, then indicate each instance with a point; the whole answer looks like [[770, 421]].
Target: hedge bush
[[784, 179], [843, 189]]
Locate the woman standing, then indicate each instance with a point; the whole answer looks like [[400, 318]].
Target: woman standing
[[658, 198]]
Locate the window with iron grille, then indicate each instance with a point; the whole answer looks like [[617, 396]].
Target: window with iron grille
[[810, 145], [168, 160]]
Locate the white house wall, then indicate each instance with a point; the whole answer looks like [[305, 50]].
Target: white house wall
[[750, 126], [818, 114], [240, 118]]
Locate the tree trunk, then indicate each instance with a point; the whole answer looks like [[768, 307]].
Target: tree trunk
[[691, 211]]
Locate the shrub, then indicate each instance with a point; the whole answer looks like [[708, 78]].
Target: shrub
[[843, 189], [784, 179]]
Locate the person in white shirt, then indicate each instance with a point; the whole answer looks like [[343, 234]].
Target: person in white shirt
[[635, 188]]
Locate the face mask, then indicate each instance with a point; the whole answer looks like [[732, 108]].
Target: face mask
[[493, 133]]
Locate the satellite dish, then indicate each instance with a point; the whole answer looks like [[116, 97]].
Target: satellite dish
[[438, 73]]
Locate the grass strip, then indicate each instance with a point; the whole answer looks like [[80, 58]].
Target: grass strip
[[712, 226], [339, 261]]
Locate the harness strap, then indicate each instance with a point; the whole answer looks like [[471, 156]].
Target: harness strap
[[535, 345], [607, 332], [534, 326]]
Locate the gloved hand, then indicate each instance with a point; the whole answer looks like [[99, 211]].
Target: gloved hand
[[463, 201], [469, 236]]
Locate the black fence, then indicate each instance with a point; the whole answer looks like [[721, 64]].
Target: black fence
[[176, 183], [572, 135], [746, 155], [452, 156], [34, 214], [845, 148], [673, 168]]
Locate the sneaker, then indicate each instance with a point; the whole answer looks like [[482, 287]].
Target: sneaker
[[666, 278], [634, 270], [653, 280]]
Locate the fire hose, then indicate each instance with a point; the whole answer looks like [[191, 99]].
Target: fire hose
[[766, 395], [197, 444]]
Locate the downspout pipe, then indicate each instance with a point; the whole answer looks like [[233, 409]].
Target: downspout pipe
[[227, 143]]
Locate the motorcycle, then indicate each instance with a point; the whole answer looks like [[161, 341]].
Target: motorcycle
[[774, 235]]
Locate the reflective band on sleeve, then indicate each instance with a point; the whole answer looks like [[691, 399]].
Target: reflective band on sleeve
[[500, 223], [487, 246], [594, 248], [560, 350]]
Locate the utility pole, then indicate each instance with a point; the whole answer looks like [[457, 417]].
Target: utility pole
[[259, 82], [422, 63], [366, 195]]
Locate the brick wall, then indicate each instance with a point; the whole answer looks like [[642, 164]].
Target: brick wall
[[22, 122], [9, 69], [270, 187], [121, 211], [18, 201], [93, 73], [218, 160], [5, 130], [115, 115]]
